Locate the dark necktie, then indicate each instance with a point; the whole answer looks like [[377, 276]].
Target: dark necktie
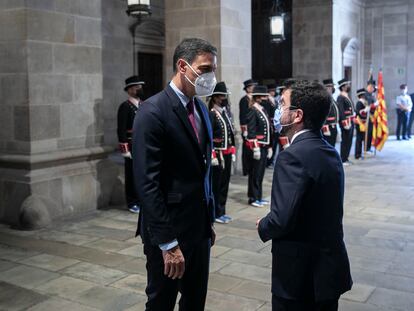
[[191, 117]]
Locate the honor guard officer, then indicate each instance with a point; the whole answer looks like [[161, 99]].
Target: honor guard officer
[[243, 111], [373, 103], [346, 110], [271, 106], [224, 150], [330, 128], [259, 141], [126, 115], [362, 109]]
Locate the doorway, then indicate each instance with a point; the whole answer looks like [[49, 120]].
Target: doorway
[[150, 71]]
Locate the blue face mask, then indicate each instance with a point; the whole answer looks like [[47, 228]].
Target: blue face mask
[[276, 120]]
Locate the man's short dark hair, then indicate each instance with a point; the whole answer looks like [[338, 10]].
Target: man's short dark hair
[[313, 99], [403, 86], [189, 48]]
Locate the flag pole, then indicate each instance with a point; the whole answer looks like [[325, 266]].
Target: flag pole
[[366, 134]]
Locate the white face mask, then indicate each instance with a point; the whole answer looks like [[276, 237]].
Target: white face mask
[[204, 84]]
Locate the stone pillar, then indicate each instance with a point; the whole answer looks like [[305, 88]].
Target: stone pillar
[[52, 158], [312, 39], [224, 23]]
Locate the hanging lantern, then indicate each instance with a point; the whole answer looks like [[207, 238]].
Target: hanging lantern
[[138, 8]]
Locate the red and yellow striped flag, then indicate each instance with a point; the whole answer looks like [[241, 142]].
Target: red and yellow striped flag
[[380, 130]]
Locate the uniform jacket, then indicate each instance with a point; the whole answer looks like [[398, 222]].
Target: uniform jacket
[[259, 126], [126, 115], [243, 110], [310, 260], [346, 108], [223, 130], [172, 172], [333, 116]]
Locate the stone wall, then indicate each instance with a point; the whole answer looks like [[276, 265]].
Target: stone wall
[[389, 45], [312, 39], [52, 157]]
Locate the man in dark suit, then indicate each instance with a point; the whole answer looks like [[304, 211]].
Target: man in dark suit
[[172, 155], [310, 268]]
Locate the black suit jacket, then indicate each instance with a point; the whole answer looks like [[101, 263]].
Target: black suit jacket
[[305, 222], [172, 172]]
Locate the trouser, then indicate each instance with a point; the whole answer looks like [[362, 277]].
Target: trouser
[[360, 137], [130, 192], [246, 158], [332, 138], [402, 119], [410, 123], [162, 291], [281, 304], [275, 144], [221, 180], [346, 142], [369, 135], [256, 175]]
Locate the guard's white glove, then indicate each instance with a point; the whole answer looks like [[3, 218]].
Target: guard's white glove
[[244, 134], [127, 155], [376, 103], [367, 108], [269, 153], [214, 162], [347, 127], [233, 157], [256, 153]]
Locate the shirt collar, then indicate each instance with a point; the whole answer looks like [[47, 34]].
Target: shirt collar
[[133, 101], [218, 108], [183, 98], [299, 133]]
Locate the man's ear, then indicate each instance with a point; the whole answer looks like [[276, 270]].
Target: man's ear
[[299, 115], [181, 66]]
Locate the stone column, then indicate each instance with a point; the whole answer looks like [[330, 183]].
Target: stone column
[[52, 157], [224, 23], [312, 39]]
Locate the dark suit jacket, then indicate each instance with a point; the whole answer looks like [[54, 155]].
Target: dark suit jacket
[[305, 222], [172, 172]]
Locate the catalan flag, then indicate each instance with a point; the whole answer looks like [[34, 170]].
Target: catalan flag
[[380, 129]]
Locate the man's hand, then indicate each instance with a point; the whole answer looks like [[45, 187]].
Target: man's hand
[[213, 236], [174, 263], [257, 222]]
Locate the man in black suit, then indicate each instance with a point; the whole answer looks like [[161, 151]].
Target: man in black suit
[[310, 268], [172, 155]]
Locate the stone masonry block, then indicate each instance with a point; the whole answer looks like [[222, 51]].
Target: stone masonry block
[[65, 6], [41, 4], [90, 8], [14, 89], [21, 123], [78, 121], [44, 122], [6, 121], [77, 59], [39, 57], [50, 26], [12, 4], [12, 25], [88, 89], [48, 89], [88, 31], [15, 54]]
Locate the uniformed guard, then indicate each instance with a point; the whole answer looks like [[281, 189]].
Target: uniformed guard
[[362, 109], [347, 115], [259, 141], [243, 111], [224, 150], [271, 105], [126, 115], [330, 128], [373, 103]]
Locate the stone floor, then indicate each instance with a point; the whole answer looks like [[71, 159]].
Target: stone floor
[[96, 263]]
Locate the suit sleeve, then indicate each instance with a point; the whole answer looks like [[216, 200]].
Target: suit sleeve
[[149, 135], [251, 123], [289, 186], [122, 123]]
